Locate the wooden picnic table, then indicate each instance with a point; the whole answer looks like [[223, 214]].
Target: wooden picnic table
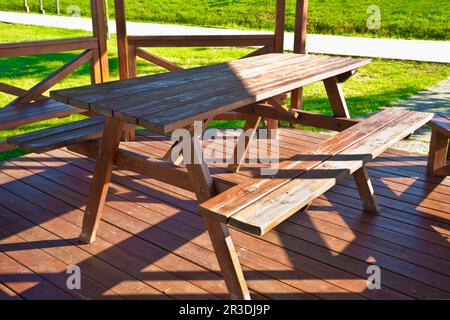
[[170, 101]]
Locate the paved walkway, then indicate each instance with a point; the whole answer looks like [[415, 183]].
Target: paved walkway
[[419, 50], [434, 99]]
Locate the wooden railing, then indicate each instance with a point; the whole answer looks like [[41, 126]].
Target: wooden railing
[[136, 43], [90, 53], [16, 49], [93, 50]]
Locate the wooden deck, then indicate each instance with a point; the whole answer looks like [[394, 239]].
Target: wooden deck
[[152, 243]]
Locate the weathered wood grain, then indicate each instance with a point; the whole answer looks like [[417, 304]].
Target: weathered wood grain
[[281, 203], [169, 101], [228, 203]]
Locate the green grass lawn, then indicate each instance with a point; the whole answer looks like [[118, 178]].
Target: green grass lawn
[[376, 85], [399, 18]]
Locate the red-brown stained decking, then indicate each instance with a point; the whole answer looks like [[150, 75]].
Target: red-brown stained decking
[[152, 243]]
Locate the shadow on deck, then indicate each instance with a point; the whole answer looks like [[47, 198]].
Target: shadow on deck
[[152, 243]]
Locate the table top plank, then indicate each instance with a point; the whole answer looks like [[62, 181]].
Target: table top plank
[[121, 88], [220, 85], [147, 103], [268, 86], [168, 101]]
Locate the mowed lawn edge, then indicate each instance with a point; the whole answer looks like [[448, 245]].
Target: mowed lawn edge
[[412, 19]]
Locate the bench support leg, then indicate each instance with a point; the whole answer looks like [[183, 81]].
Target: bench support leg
[[102, 177], [201, 179], [336, 97], [437, 158], [250, 129], [228, 260], [129, 133], [365, 189]]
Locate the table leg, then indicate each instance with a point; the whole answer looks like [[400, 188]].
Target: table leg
[[102, 177], [273, 125], [336, 97], [218, 232], [296, 99], [252, 124], [168, 156]]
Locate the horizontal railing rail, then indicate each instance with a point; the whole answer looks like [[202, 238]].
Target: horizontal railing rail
[[266, 42], [203, 41], [17, 49]]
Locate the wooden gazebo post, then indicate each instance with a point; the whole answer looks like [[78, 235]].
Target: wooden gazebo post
[[100, 65], [280, 25], [122, 42], [124, 58], [301, 20]]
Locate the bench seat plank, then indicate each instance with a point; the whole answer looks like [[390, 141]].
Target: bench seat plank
[[228, 203], [263, 215], [13, 116], [60, 136]]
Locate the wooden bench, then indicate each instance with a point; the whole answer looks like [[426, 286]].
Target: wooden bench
[[59, 136], [439, 146], [44, 140], [258, 205], [13, 116], [32, 105], [65, 135]]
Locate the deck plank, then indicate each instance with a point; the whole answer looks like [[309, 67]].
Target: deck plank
[[51, 268], [7, 294], [117, 215], [426, 222], [101, 248], [27, 283]]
